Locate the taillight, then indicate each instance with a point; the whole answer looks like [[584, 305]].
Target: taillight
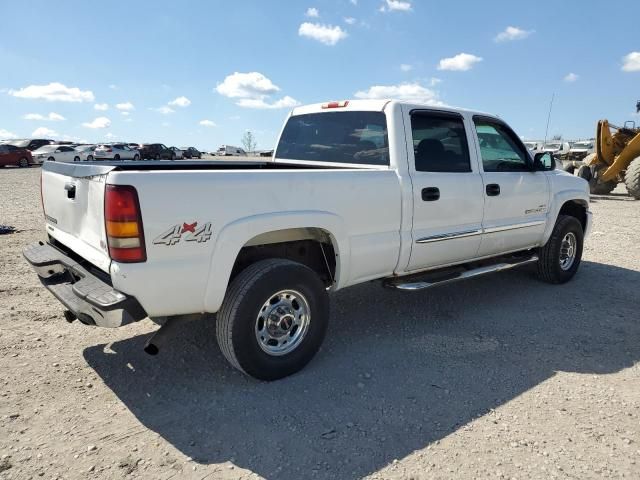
[[123, 222], [342, 104], [42, 195]]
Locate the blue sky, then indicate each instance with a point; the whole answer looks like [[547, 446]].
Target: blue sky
[[202, 72]]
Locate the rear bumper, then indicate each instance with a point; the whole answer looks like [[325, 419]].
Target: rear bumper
[[89, 298]]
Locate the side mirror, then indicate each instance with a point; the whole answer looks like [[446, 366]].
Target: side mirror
[[544, 161]]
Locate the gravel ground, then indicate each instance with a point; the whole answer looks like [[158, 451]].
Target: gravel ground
[[498, 377]]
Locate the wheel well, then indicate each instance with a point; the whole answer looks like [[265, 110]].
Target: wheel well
[[312, 247], [575, 209]]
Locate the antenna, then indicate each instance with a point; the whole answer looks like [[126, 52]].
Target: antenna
[[546, 132]]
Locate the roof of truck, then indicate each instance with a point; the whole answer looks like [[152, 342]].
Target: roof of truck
[[377, 105]]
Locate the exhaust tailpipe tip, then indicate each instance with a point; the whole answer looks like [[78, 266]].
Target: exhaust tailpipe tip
[[151, 349]]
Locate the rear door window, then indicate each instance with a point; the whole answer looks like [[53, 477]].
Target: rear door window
[[337, 137]]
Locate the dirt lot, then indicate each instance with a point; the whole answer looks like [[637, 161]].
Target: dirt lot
[[499, 377]]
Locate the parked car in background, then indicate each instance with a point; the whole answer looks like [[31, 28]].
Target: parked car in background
[[54, 153], [557, 148], [533, 146], [179, 154], [84, 153], [12, 155], [30, 144], [156, 151], [228, 151], [191, 152], [116, 151]]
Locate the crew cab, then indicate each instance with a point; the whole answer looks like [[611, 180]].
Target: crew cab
[[408, 194]]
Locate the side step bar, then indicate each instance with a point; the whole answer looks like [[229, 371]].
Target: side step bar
[[412, 286]]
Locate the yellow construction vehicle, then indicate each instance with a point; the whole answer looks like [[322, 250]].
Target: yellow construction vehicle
[[616, 159]]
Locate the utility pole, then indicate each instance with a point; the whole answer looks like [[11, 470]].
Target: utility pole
[[546, 132]]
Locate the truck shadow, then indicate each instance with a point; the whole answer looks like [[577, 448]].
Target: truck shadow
[[397, 372]]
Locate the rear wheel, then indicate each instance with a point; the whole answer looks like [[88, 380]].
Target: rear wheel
[[117, 157], [89, 158], [76, 159], [136, 157], [273, 319], [51, 159], [632, 179], [23, 162], [560, 257]]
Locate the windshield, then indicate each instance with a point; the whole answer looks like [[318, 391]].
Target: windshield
[[47, 148], [336, 137]]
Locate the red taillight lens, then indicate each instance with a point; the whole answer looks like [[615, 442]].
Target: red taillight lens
[[42, 195], [123, 223]]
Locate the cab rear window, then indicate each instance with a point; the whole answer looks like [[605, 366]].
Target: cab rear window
[[337, 137]]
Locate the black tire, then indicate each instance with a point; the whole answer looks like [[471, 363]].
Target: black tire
[[89, 158], [23, 162], [51, 159], [76, 159], [116, 157], [157, 157], [632, 178], [549, 268], [136, 158], [596, 187], [584, 172], [238, 317]]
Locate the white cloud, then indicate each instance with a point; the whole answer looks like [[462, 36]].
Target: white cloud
[[396, 5], [571, 77], [261, 103], [405, 67], [5, 134], [512, 33], [53, 117], [461, 62], [113, 87], [180, 102], [631, 62], [54, 92], [126, 107], [44, 132], [349, 20], [101, 106], [327, 34], [126, 114], [164, 110], [312, 12], [246, 85], [413, 92], [99, 122], [207, 123]]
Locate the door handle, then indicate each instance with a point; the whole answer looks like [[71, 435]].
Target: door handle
[[493, 190], [430, 194], [71, 190]]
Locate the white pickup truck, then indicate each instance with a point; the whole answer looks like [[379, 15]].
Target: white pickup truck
[[413, 195]]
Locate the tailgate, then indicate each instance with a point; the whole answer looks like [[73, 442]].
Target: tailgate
[[73, 198]]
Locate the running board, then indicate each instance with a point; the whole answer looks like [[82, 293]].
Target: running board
[[399, 284]]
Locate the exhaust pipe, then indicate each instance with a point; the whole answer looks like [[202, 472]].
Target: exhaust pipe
[[165, 332]]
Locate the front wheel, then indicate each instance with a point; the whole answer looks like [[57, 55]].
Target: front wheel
[[560, 257], [632, 178], [136, 157], [76, 159], [89, 158], [23, 162], [273, 319]]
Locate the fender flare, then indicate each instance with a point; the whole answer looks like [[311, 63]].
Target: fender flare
[[233, 236], [558, 200]]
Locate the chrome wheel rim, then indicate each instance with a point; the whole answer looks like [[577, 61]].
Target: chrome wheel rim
[[568, 250], [283, 322]]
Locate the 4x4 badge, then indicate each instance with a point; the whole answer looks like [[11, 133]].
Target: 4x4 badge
[[189, 232]]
